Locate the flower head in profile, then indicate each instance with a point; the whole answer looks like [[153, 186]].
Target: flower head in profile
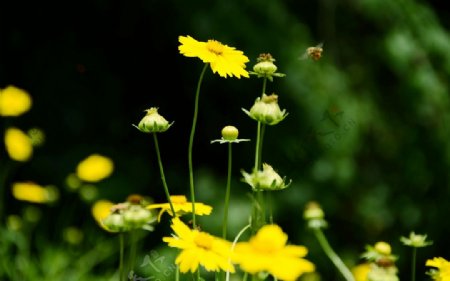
[[95, 168], [415, 240], [229, 135], [14, 101], [267, 252], [440, 270], [34, 193], [267, 179], [265, 67], [18, 145], [181, 207], [266, 110], [224, 60], [199, 248]]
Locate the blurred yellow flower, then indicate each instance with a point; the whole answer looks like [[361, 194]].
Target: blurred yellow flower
[[199, 248], [18, 145], [95, 168], [181, 207], [32, 192], [100, 210], [267, 252], [361, 271], [14, 101], [442, 269], [225, 60]]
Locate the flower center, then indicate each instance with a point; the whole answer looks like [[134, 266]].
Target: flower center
[[215, 47], [178, 199], [204, 240]]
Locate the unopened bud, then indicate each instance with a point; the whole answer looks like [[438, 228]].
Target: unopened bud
[[230, 133], [153, 122]]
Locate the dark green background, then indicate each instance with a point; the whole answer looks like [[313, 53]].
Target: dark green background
[[379, 171]]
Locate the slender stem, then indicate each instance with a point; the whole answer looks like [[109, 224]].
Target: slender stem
[[264, 86], [163, 178], [245, 277], [227, 194], [257, 149], [177, 274], [413, 264], [332, 255], [261, 141], [122, 246], [269, 204], [234, 245], [133, 248], [191, 142]]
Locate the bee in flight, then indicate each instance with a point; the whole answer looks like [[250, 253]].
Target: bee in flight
[[313, 52]]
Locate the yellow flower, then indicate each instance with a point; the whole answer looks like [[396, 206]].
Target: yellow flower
[[267, 252], [225, 60], [100, 210], [18, 145], [199, 248], [14, 101], [442, 273], [181, 207], [34, 193], [95, 168], [361, 271]]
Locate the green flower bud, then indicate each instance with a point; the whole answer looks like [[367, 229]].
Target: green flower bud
[[415, 240], [383, 248], [267, 179], [115, 223], [136, 217], [265, 68], [266, 110], [153, 122], [314, 216], [230, 133]]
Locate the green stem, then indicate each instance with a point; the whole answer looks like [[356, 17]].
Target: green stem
[[234, 245], [264, 86], [413, 264], [133, 248], [332, 255], [163, 178], [227, 193], [177, 274], [191, 142], [257, 149], [245, 277], [122, 248]]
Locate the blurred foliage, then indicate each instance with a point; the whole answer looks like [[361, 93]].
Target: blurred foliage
[[367, 134]]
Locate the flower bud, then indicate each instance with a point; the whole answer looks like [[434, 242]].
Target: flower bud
[[230, 133], [153, 122], [265, 68], [383, 248], [136, 216], [267, 179], [114, 222], [314, 216], [266, 110]]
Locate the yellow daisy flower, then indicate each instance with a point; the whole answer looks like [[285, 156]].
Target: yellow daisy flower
[[14, 101], [181, 207], [34, 193], [225, 60], [95, 168], [199, 248], [442, 269], [18, 145], [100, 210], [267, 252]]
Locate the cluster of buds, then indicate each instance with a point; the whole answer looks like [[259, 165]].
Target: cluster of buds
[[382, 262], [314, 216], [266, 110], [267, 179], [130, 215]]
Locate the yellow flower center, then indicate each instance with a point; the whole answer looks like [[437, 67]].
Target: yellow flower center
[[178, 199], [204, 240], [215, 47]]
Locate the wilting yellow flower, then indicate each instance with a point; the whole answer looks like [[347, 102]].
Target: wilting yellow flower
[[181, 207], [225, 60], [95, 168], [101, 210], [442, 271], [199, 248], [361, 271], [14, 101], [32, 192], [18, 145], [267, 252]]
